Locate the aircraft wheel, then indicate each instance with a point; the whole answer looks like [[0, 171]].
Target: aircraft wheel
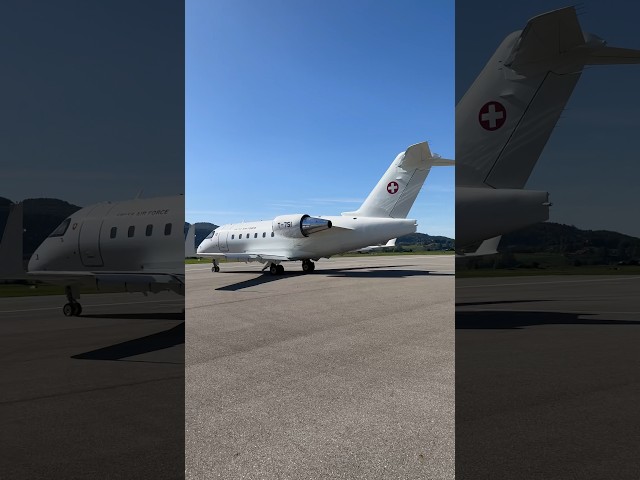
[[68, 310], [312, 265], [306, 266], [273, 269], [77, 309], [280, 269], [216, 269]]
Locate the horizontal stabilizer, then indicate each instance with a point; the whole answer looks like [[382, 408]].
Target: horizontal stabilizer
[[614, 56]]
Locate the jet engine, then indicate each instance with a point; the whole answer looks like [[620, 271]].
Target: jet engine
[[299, 226]]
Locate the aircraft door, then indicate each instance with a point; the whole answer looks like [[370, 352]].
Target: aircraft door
[[89, 237], [222, 241]]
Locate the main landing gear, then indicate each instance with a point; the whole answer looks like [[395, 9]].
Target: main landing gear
[[73, 308], [307, 267], [215, 267]]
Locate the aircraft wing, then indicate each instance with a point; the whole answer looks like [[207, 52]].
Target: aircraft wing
[[130, 281], [259, 257]]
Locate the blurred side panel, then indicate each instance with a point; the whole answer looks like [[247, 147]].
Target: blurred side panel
[[92, 251], [547, 273]]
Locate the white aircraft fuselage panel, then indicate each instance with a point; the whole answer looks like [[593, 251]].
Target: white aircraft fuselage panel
[[345, 234], [143, 235]]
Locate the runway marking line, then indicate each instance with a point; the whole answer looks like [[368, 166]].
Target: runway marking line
[[548, 283]]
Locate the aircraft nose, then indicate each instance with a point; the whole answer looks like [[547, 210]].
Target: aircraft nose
[[202, 248], [36, 261]]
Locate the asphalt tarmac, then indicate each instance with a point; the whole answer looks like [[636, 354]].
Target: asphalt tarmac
[[547, 377], [347, 372], [96, 396]]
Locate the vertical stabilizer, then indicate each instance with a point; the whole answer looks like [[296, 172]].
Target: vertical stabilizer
[[506, 117], [11, 244], [398, 188], [190, 242]]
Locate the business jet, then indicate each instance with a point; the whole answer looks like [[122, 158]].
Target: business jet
[[132, 246], [506, 118], [300, 237]]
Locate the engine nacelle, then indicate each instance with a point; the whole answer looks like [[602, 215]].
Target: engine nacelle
[[298, 225], [483, 213]]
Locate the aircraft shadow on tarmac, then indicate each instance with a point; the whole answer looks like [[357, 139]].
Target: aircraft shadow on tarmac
[[487, 320], [353, 272], [149, 343], [497, 302]]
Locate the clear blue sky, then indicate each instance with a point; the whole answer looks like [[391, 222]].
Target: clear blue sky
[[300, 106]]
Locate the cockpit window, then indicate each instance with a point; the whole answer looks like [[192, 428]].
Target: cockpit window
[[62, 228], [211, 234]]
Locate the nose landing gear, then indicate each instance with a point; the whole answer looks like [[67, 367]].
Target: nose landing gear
[[276, 269], [215, 267], [73, 308]]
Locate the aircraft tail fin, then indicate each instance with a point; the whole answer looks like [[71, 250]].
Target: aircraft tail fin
[[190, 242], [510, 111], [11, 243], [398, 188]]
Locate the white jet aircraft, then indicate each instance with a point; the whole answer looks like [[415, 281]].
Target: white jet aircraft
[[506, 117], [382, 217], [133, 246]]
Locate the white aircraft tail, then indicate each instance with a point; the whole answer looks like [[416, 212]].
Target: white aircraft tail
[[506, 117], [398, 188], [190, 242], [11, 243]]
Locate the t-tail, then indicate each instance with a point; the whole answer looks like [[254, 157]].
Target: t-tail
[[398, 188], [506, 117]]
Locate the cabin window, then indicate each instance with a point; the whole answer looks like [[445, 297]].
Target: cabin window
[[232, 237], [113, 232], [131, 231], [240, 236], [149, 231], [62, 228], [272, 234], [167, 229], [255, 235], [264, 234]]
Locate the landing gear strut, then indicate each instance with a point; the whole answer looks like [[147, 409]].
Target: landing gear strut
[[73, 308], [308, 266], [215, 267]]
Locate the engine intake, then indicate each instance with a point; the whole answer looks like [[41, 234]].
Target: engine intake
[[299, 226]]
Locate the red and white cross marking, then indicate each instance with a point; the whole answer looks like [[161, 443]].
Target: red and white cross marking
[[492, 116], [392, 187]]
